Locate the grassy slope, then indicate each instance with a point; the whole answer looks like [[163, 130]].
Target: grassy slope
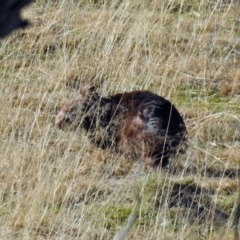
[[54, 184]]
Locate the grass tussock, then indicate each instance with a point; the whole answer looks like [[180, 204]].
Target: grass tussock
[[55, 184]]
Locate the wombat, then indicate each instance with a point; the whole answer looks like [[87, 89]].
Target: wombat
[[139, 124]]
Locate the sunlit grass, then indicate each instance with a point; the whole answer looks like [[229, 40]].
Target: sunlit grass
[[54, 183]]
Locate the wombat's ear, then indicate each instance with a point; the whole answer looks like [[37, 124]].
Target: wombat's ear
[[91, 88], [87, 90]]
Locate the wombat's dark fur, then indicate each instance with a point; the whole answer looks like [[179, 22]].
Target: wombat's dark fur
[[139, 123]]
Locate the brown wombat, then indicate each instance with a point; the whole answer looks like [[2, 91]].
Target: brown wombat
[[139, 123]]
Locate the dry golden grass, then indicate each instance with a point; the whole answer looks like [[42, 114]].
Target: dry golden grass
[[55, 184]]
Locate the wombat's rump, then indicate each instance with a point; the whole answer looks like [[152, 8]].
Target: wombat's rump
[[139, 123]]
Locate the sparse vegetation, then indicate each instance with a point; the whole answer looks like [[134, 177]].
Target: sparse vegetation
[[55, 184]]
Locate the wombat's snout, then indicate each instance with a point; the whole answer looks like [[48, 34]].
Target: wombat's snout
[[59, 119], [65, 117]]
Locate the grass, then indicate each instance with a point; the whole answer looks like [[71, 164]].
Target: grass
[[55, 184]]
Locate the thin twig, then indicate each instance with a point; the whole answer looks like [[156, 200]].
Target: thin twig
[[122, 234]]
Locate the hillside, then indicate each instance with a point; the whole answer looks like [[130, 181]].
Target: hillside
[[55, 184]]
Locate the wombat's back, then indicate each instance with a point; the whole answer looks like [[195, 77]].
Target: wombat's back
[[155, 113], [150, 122]]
